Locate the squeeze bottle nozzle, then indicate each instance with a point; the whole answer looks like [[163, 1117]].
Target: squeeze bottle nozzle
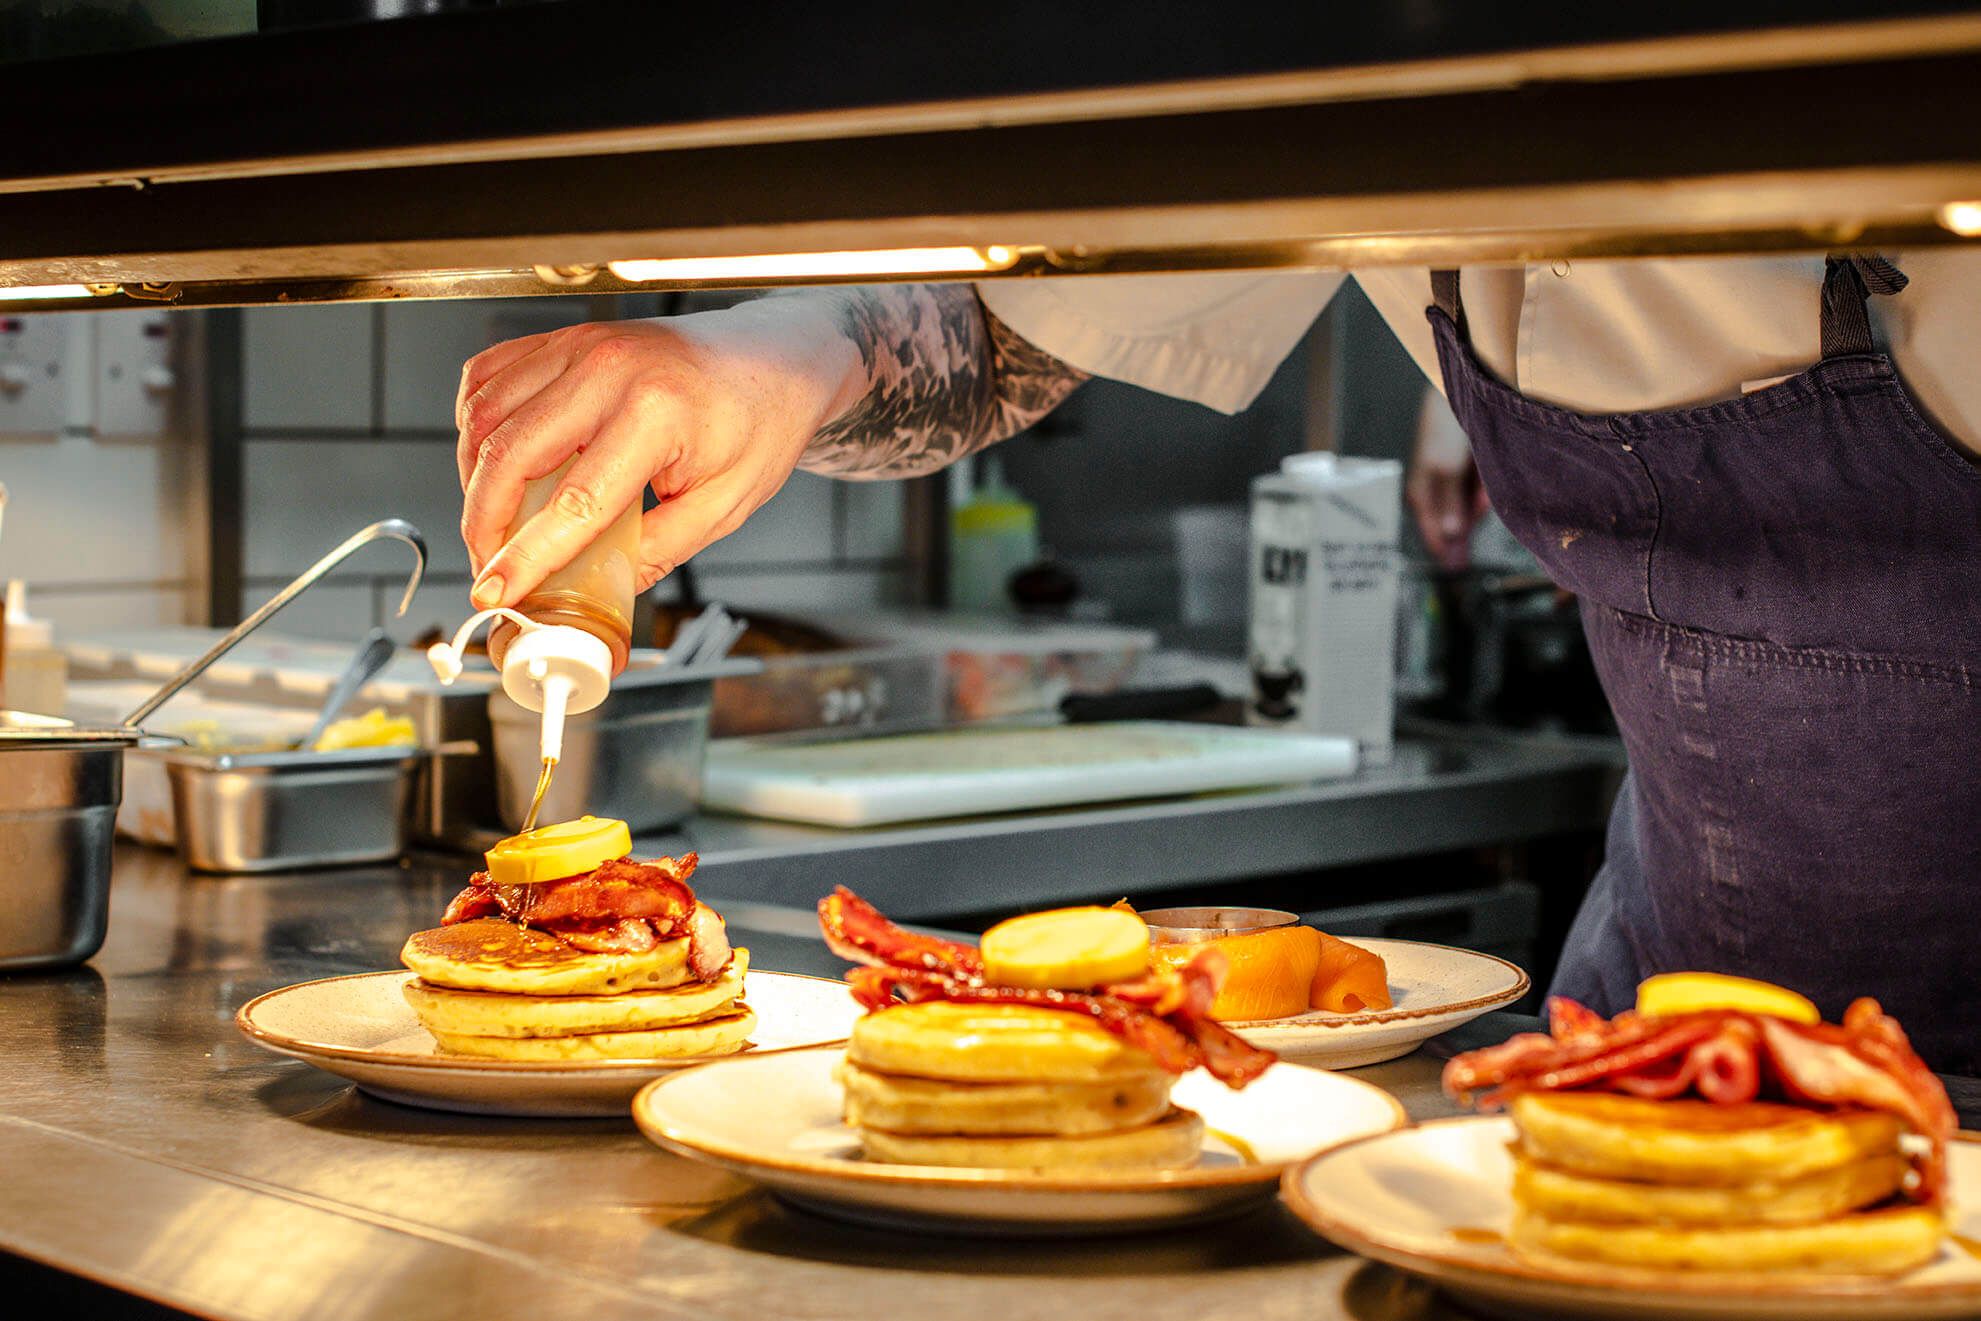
[[550, 668]]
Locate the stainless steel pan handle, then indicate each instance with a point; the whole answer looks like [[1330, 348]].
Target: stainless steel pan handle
[[397, 529]]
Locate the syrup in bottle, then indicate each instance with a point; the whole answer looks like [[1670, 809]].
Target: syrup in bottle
[[594, 592]]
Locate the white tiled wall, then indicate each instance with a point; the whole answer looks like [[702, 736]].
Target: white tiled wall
[[100, 530], [308, 367], [304, 496]]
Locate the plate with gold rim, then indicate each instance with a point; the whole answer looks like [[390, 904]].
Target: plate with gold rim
[[776, 1119], [1436, 1200], [1434, 989], [360, 1027]]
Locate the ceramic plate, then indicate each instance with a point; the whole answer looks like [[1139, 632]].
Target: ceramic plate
[[1435, 988], [361, 1028], [775, 1119], [1435, 1200]]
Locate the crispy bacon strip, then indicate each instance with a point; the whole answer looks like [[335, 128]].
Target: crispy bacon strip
[[478, 900], [618, 907], [856, 931], [631, 936], [708, 943], [1724, 1068], [609, 892], [1724, 1057], [1869, 1062]]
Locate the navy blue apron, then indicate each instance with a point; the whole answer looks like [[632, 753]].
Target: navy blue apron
[[1782, 594]]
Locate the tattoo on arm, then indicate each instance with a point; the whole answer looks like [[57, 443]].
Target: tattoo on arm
[[945, 378]]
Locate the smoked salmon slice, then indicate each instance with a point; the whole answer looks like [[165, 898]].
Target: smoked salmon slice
[[1350, 979]]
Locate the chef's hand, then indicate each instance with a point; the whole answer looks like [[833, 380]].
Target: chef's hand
[[711, 410], [1443, 487]]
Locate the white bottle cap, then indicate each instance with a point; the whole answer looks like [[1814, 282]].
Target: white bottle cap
[[552, 669], [544, 655], [22, 629]]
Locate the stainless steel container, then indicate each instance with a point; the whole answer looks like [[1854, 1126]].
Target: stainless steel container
[[275, 811], [59, 789], [637, 756]]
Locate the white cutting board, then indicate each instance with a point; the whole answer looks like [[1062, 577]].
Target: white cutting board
[[965, 772]]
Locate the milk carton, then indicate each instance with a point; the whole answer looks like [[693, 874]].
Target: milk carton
[[1323, 598]]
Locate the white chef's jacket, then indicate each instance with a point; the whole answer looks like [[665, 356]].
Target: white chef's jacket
[[1599, 337]]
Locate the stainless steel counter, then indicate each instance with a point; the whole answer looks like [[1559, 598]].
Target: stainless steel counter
[[1443, 791], [145, 1144]]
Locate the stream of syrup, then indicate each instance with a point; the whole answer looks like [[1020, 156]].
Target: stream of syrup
[[536, 799]]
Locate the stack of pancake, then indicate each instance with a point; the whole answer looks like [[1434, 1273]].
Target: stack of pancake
[[496, 989], [1009, 1086], [1687, 1184]]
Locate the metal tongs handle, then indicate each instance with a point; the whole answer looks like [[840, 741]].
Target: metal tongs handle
[[396, 528]]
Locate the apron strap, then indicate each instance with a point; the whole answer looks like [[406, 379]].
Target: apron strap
[[1444, 293], [1847, 283]]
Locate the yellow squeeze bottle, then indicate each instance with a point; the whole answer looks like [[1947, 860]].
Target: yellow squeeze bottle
[[593, 593]]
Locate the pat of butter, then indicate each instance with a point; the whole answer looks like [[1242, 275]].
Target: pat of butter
[[550, 853]]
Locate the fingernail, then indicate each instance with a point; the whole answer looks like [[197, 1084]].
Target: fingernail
[[488, 592]]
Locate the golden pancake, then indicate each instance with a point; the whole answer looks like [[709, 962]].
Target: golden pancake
[[920, 1105], [992, 1043], [1562, 1195], [490, 954], [1695, 1142], [1170, 1143], [716, 1036], [1882, 1242], [493, 1014]]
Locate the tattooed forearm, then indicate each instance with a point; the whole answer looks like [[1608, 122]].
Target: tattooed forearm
[[945, 378]]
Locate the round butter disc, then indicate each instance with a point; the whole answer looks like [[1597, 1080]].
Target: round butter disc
[[553, 852], [1067, 949]]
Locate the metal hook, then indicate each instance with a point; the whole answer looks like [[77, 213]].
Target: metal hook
[[396, 528]]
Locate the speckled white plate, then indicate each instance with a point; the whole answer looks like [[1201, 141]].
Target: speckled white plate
[[1434, 987], [360, 1027], [1436, 1200], [775, 1119]]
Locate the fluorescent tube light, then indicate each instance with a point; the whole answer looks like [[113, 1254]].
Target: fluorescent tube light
[[23, 292], [1963, 218], [817, 265]]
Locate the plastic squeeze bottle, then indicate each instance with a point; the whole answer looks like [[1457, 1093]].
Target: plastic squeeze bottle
[[36, 673], [992, 535], [555, 669], [593, 593]]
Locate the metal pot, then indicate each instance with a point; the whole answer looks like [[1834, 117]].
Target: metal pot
[[59, 789]]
